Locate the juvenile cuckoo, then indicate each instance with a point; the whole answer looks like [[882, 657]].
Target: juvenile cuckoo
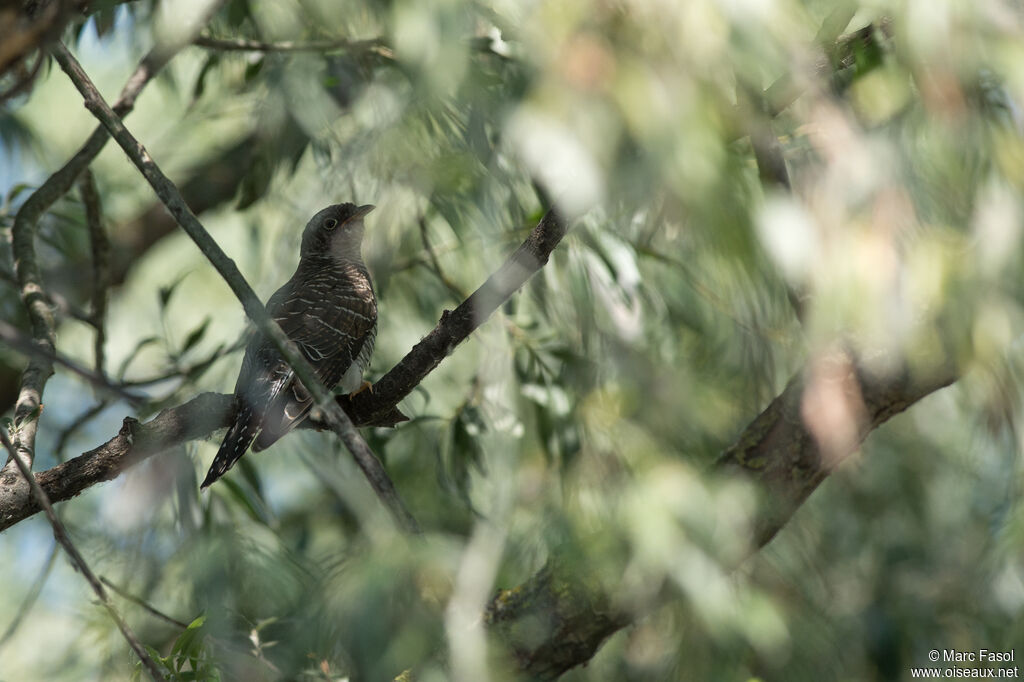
[[329, 310]]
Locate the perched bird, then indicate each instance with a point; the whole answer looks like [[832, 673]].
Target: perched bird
[[329, 310]]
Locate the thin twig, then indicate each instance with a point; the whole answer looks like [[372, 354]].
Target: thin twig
[[33, 295], [841, 56], [25, 80], [63, 305], [374, 45], [61, 534], [30, 598], [435, 265], [19, 41], [771, 164], [185, 372], [139, 601], [100, 247], [207, 412], [169, 194], [79, 421], [456, 325], [20, 342]]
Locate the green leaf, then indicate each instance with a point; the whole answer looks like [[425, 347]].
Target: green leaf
[[253, 70], [195, 336], [16, 191], [238, 12], [131, 356], [251, 476], [256, 180], [165, 292], [154, 654], [247, 497], [104, 21], [264, 622], [200, 87]]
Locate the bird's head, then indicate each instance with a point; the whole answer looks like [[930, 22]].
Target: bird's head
[[335, 232]]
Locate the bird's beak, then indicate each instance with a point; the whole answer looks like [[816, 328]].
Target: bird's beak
[[363, 210]]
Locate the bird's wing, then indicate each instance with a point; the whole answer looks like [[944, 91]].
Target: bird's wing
[[330, 325]]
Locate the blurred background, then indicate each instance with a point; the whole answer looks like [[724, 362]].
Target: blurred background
[[751, 183]]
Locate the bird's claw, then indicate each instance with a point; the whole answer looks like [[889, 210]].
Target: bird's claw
[[365, 386]]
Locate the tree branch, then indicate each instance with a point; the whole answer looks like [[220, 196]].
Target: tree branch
[[558, 618], [378, 408], [374, 45], [40, 365], [140, 602], [834, 65], [15, 339], [77, 560], [169, 194], [42, 575], [207, 412], [133, 443], [100, 247], [554, 621], [784, 458]]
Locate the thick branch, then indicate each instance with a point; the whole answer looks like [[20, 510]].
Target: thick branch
[[169, 194], [207, 412], [779, 452], [77, 560], [133, 443], [40, 365], [558, 619], [554, 621], [456, 325]]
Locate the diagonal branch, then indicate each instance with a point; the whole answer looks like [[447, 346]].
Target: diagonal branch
[[207, 412], [374, 45], [16, 339], [834, 66], [140, 602], [456, 325], [42, 575], [40, 365], [435, 264], [781, 454], [777, 451], [169, 194], [77, 560], [99, 245]]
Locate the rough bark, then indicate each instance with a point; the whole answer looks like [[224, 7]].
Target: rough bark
[[207, 412], [558, 620]]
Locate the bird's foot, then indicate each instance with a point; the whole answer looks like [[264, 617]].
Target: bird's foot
[[365, 386]]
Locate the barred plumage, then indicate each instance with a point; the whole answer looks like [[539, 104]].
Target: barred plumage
[[329, 310]]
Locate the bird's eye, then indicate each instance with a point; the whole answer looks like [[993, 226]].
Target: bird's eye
[[330, 223]]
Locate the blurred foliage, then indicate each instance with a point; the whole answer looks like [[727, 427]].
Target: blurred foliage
[[582, 418]]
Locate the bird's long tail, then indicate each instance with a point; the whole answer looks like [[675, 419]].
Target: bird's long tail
[[237, 440]]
